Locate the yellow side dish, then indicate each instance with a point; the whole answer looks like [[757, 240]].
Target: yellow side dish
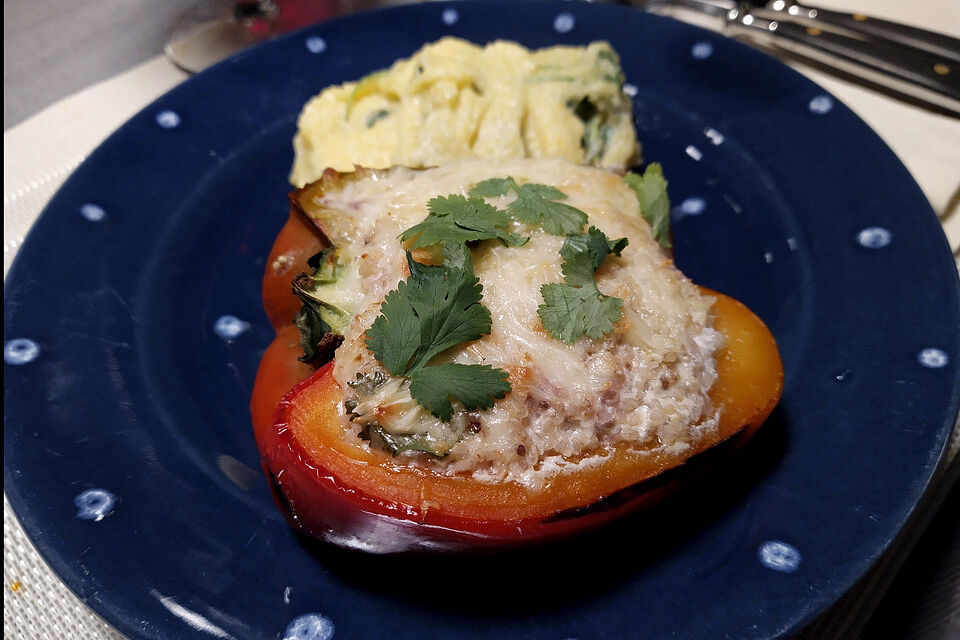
[[453, 99]]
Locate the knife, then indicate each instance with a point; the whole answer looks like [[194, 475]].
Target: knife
[[936, 43], [920, 65]]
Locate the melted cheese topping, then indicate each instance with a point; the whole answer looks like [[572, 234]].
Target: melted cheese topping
[[645, 383], [453, 99]]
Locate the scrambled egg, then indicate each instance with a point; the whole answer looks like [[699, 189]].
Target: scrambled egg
[[453, 100]]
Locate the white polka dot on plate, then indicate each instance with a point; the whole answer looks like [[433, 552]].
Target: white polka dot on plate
[[820, 104], [933, 358], [168, 119], [630, 90], [230, 327], [310, 626], [701, 50], [716, 138], [564, 23], [874, 238], [450, 17], [92, 212], [316, 44], [693, 206], [94, 504], [693, 152], [779, 556], [20, 351]]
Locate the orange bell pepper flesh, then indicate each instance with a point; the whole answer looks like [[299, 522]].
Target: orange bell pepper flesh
[[279, 372], [332, 485], [298, 240]]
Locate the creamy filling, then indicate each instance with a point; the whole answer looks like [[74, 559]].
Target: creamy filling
[[645, 384]]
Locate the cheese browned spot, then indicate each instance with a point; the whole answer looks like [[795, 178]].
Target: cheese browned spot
[[645, 383]]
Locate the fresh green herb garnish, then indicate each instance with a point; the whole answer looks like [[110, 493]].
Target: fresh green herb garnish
[[577, 308], [318, 320], [436, 308], [457, 256], [535, 205], [474, 385], [456, 219], [651, 189]]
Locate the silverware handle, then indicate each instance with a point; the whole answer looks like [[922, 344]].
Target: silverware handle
[[911, 72], [936, 43]]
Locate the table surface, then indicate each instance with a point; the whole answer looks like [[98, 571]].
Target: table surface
[[55, 48]]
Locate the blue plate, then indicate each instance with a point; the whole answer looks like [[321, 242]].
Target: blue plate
[[133, 329]]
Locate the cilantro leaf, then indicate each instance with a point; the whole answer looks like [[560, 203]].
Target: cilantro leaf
[[394, 337], [474, 385], [540, 191], [436, 308], [491, 188], [457, 219], [569, 313], [577, 308], [535, 205], [555, 217], [448, 308], [651, 190], [457, 255], [584, 253]]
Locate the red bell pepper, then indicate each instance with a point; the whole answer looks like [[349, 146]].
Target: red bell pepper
[[333, 486]]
